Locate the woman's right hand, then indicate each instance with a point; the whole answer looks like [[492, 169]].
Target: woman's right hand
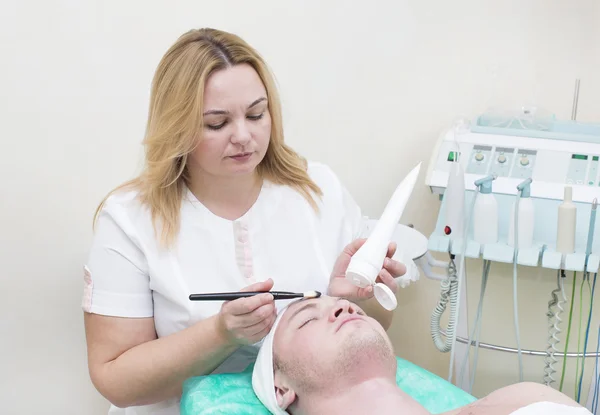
[[247, 320]]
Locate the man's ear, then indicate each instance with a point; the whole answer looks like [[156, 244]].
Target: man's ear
[[283, 392]]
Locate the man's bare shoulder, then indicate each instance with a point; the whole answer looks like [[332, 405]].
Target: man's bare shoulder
[[507, 400]]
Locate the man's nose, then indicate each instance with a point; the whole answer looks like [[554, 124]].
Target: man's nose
[[241, 133], [341, 307]]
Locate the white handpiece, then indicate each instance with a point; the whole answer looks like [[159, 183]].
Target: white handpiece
[[367, 262], [455, 202]]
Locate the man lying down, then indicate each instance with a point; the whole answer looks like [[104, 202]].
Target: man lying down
[[325, 356]]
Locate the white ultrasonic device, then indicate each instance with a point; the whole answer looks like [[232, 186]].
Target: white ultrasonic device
[[367, 262]]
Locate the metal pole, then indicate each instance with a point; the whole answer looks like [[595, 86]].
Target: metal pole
[[575, 101], [523, 351]]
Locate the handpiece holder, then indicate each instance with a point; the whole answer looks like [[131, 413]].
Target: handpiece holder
[[592, 227], [525, 188], [367, 262], [485, 183]]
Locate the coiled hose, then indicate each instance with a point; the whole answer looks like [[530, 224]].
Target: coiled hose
[[449, 292], [562, 376], [554, 321]]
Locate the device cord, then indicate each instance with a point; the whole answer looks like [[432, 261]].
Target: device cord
[[564, 365], [579, 333], [595, 399], [587, 332], [515, 302], [553, 328], [461, 275], [478, 323], [449, 292]]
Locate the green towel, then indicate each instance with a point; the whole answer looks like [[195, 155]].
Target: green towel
[[231, 393]]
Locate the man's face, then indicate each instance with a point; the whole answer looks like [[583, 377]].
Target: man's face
[[326, 343]]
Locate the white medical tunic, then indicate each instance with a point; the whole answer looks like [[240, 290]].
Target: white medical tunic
[[281, 237]]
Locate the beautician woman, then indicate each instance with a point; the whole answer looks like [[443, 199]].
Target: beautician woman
[[223, 204]]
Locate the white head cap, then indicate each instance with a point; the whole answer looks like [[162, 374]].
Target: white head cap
[[263, 376]]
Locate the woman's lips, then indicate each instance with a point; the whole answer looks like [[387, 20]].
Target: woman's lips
[[241, 156]]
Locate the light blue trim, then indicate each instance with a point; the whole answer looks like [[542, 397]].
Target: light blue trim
[[549, 129]]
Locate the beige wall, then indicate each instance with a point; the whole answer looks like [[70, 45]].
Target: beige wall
[[367, 88]]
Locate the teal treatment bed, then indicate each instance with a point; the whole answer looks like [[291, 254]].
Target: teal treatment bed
[[231, 393]]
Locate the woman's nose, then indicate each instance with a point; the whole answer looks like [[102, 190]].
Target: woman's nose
[[241, 133], [341, 307]]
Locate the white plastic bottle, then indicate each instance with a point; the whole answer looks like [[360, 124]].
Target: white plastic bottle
[[525, 221], [485, 216], [367, 262], [567, 224]]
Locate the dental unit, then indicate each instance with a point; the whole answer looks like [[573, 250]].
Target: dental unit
[[519, 188]]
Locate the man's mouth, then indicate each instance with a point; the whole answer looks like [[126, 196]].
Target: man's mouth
[[347, 320]]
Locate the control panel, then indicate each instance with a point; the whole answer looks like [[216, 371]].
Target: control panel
[[583, 170], [501, 161], [552, 159], [551, 164], [524, 165]]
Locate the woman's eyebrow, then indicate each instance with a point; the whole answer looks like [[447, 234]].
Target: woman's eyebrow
[[258, 101], [224, 112]]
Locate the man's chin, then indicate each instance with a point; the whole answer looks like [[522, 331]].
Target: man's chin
[[364, 349]]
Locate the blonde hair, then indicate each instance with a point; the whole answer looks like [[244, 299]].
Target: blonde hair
[[175, 122]]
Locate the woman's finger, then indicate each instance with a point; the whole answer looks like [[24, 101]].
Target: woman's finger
[[263, 325], [259, 315], [248, 305], [386, 278], [260, 335], [365, 293], [392, 247], [395, 268], [354, 246], [340, 287], [259, 286]]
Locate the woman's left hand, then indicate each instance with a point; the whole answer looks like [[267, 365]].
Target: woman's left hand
[[339, 286]]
